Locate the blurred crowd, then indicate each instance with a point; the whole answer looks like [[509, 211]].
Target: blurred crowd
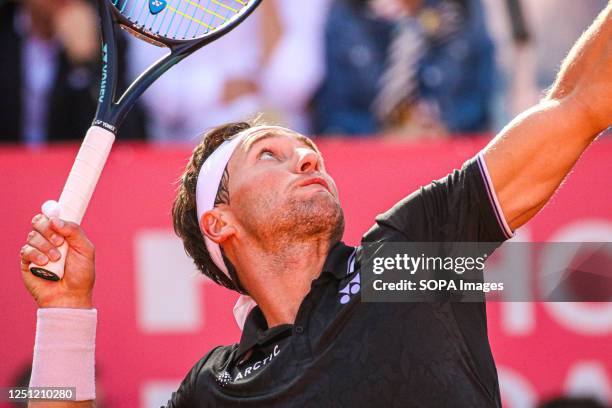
[[353, 68]]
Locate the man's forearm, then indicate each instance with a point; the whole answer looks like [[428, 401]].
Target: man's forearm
[[530, 158], [591, 52]]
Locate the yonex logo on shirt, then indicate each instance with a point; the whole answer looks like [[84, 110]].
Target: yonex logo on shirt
[[354, 286]]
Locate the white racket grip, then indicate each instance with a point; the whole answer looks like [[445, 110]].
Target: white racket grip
[[85, 173], [79, 188]]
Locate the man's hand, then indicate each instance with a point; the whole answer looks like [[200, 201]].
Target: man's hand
[[74, 290]]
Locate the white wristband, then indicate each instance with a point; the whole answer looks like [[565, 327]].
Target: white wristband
[[64, 350]]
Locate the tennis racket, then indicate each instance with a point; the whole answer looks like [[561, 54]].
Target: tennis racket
[[182, 26]]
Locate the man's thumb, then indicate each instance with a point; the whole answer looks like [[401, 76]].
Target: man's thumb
[[73, 234]]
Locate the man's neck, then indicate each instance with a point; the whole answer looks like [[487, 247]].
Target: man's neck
[[279, 278]]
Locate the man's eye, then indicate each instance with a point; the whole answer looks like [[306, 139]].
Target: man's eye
[[266, 154]]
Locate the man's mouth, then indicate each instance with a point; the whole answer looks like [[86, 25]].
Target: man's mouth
[[315, 180]]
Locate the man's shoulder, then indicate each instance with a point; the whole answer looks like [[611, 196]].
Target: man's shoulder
[[186, 395], [398, 222], [210, 362], [215, 357]]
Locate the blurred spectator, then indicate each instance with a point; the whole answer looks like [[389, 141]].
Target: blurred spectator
[[514, 89], [50, 71], [272, 62], [572, 402], [295, 66], [407, 67]]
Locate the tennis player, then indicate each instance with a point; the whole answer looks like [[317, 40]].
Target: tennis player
[[259, 214]]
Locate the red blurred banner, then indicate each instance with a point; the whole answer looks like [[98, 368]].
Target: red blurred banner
[[157, 317]]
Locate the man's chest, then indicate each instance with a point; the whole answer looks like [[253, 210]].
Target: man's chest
[[387, 354]]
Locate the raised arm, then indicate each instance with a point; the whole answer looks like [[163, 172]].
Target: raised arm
[[531, 156]]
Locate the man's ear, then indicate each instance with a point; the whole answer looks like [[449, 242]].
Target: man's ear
[[215, 225]]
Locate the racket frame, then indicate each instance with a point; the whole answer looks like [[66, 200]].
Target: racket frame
[[111, 112]]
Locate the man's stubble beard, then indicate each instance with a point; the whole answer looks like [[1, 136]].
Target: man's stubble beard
[[316, 217]]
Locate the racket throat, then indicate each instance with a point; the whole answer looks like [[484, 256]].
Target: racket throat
[[146, 38]]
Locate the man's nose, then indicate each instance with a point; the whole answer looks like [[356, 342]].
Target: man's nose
[[308, 160]]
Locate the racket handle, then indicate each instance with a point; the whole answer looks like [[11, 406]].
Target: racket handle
[[78, 190]]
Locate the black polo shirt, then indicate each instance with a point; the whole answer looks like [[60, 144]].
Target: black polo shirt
[[342, 352]]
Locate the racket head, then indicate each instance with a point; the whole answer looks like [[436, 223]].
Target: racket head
[[173, 23], [143, 21]]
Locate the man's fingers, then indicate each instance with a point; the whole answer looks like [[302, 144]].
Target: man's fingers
[[29, 254], [52, 232], [41, 224], [73, 234], [36, 240]]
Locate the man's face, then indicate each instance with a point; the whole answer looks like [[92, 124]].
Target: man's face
[[278, 188]]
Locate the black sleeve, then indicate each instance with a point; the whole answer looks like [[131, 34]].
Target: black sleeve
[[185, 396], [461, 207]]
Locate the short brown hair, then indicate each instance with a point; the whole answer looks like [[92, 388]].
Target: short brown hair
[[184, 209]]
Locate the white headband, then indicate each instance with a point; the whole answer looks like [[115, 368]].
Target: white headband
[[207, 189]]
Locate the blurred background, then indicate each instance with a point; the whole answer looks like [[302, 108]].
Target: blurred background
[[396, 93]]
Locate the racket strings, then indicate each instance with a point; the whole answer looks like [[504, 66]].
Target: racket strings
[[179, 19]]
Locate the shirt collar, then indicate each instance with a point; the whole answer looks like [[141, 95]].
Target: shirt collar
[[338, 260], [256, 331]]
